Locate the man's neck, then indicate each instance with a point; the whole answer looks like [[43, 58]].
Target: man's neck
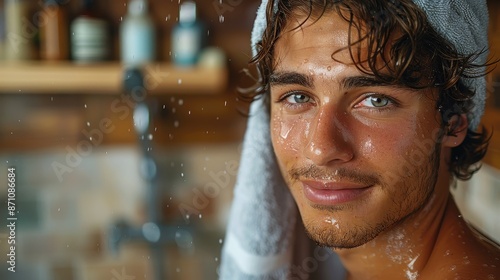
[[403, 251]]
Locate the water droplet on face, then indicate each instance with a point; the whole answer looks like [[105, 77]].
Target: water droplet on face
[[179, 81], [221, 18], [329, 68], [285, 131], [200, 216], [88, 123], [220, 241]]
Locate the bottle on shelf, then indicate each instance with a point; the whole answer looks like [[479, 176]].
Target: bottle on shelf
[[187, 36], [54, 38], [89, 35], [137, 35], [20, 33]]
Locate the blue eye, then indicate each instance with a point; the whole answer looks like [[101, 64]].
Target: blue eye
[[376, 101], [296, 98]]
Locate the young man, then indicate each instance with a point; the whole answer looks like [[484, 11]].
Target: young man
[[373, 116]]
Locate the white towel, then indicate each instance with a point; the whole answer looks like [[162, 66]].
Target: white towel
[[263, 239]]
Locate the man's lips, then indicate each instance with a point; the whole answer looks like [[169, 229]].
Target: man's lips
[[332, 193]]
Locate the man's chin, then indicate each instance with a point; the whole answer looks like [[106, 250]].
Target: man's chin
[[341, 238]]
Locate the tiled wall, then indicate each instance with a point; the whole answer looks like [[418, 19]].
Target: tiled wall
[[63, 227]]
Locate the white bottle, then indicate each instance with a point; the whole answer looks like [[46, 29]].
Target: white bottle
[[187, 36], [137, 35], [89, 36]]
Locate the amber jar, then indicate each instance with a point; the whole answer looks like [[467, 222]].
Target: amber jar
[[54, 37]]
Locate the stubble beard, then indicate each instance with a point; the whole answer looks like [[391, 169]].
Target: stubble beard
[[425, 177]]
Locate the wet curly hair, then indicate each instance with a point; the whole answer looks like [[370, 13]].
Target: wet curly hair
[[417, 57]]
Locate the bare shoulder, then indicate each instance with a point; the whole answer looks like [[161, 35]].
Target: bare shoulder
[[460, 253]]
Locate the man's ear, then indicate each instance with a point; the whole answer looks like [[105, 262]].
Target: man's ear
[[456, 130]]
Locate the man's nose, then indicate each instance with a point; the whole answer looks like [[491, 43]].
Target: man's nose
[[329, 140]]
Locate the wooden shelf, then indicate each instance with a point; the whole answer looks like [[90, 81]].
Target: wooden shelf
[[39, 77]]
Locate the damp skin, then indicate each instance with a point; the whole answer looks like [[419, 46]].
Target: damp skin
[[324, 119]]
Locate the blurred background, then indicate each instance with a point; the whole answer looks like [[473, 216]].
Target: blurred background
[[122, 122]]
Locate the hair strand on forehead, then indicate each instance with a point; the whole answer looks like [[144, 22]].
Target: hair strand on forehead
[[403, 49]]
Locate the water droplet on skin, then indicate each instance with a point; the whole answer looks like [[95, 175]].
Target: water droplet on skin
[[491, 277], [453, 267], [220, 241], [179, 81], [181, 102], [178, 270], [216, 259], [85, 106], [150, 136], [182, 174], [329, 68], [58, 209], [200, 216], [88, 123], [221, 18], [285, 131], [176, 124]]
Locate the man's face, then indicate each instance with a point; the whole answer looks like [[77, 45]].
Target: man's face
[[358, 156]]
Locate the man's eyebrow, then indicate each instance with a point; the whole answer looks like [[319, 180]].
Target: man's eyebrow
[[291, 78], [361, 81]]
